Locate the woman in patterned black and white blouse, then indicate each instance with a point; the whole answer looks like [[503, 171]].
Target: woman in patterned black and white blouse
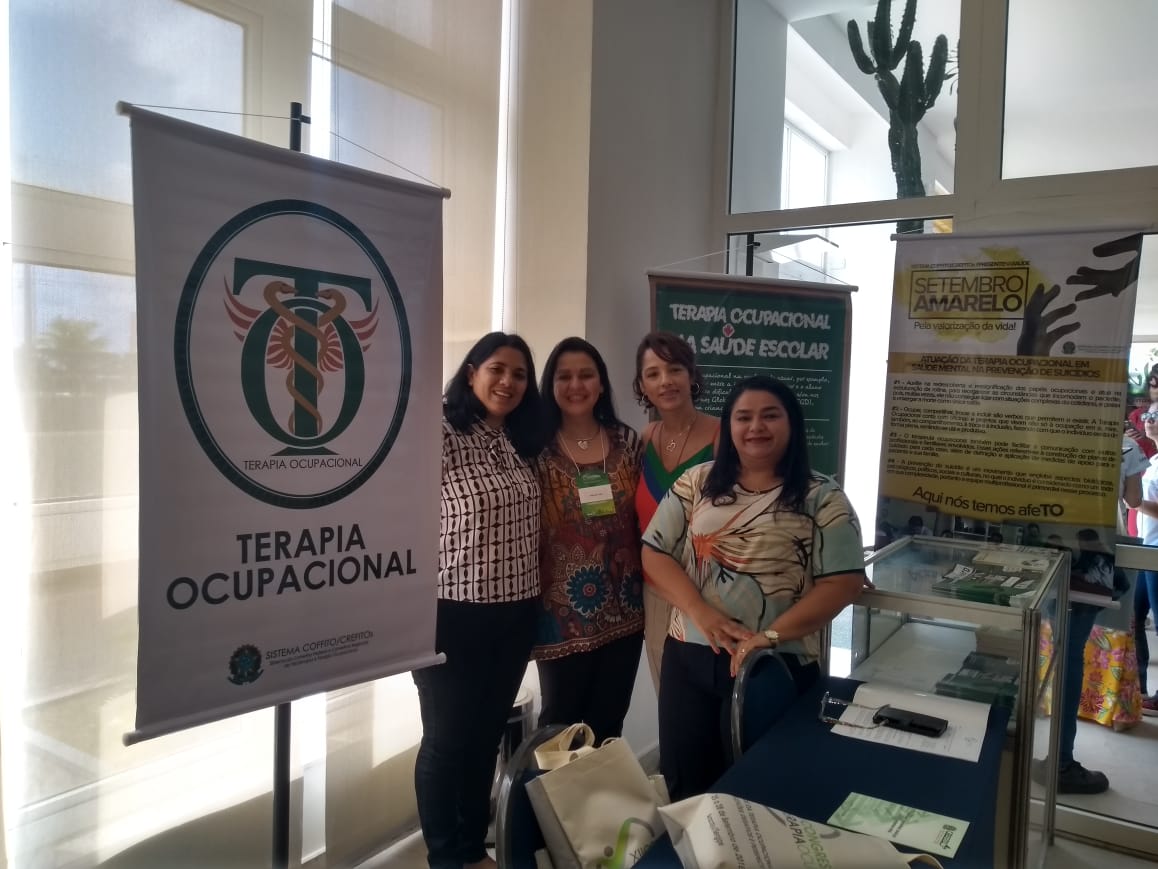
[[488, 590]]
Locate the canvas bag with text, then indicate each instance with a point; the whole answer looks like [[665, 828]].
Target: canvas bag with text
[[720, 831], [597, 811]]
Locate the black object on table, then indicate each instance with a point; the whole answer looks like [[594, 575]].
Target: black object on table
[[800, 766]]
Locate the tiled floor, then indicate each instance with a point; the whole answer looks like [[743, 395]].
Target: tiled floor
[[1129, 759], [409, 853]]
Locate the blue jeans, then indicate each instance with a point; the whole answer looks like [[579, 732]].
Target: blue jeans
[[1145, 602], [1081, 623]]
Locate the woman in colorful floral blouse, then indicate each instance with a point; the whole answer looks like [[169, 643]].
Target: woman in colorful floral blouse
[[590, 627]]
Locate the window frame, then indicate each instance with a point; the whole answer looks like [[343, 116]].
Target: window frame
[[981, 198]]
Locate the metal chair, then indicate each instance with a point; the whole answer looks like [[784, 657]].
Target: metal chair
[[763, 691], [517, 835]]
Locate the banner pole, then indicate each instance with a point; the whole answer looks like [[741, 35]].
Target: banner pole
[[296, 121], [281, 786], [282, 712]]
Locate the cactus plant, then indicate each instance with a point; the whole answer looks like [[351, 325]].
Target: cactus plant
[[907, 98]]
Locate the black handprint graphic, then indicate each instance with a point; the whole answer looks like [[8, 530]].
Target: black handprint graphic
[[1036, 338], [1109, 282]]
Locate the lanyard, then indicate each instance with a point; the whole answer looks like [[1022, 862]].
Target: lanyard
[[596, 497]]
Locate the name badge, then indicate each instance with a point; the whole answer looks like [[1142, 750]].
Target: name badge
[[595, 496]]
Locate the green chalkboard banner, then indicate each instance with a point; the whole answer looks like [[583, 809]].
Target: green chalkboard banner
[[794, 331]]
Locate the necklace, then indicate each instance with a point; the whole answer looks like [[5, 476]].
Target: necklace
[[585, 443], [671, 445], [567, 450]]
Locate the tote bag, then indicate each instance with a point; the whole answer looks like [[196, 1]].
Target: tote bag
[[720, 831], [597, 811]]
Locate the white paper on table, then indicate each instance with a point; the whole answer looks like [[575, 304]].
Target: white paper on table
[[962, 738]]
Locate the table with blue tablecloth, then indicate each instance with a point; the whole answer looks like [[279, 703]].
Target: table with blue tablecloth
[[801, 767]]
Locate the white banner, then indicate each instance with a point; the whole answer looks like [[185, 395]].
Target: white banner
[[289, 338]]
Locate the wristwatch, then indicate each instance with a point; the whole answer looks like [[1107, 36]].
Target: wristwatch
[[773, 637]]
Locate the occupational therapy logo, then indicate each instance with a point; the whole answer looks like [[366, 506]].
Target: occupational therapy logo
[[292, 352]]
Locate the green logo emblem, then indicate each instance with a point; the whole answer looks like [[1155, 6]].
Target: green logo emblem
[[303, 331], [274, 376], [245, 665]]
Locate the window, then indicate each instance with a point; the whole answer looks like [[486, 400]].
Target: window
[[74, 794], [1065, 116], [162, 52], [804, 171], [412, 83], [791, 63]]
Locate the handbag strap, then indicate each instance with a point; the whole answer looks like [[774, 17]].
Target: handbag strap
[[558, 751], [565, 741], [927, 859]]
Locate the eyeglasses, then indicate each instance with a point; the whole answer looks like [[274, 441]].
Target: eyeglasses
[[828, 700], [1149, 416]]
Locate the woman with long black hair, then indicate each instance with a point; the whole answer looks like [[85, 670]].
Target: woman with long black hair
[[488, 590], [590, 627], [753, 550]]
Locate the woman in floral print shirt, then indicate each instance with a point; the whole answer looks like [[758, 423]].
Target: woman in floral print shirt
[[590, 627]]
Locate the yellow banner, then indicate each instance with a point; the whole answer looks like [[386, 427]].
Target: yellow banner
[[1007, 379]]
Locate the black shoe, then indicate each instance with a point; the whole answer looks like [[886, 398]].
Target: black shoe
[[1073, 778]]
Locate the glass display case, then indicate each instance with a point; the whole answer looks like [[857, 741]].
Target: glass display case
[[980, 622]]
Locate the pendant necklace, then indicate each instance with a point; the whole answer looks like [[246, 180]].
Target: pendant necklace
[[671, 445], [585, 443], [567, 450]]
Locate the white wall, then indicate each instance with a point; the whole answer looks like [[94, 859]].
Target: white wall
[[653, 114], [551, 111]]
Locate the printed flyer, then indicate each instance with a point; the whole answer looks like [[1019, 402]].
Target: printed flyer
[[794, 331], [1006, 390]]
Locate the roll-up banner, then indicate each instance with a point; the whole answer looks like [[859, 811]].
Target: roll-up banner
[[289, 316], [1007, 388], [795, 331]]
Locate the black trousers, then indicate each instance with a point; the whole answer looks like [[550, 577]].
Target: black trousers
[[695, 710], [593, 687], [465, 704]]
